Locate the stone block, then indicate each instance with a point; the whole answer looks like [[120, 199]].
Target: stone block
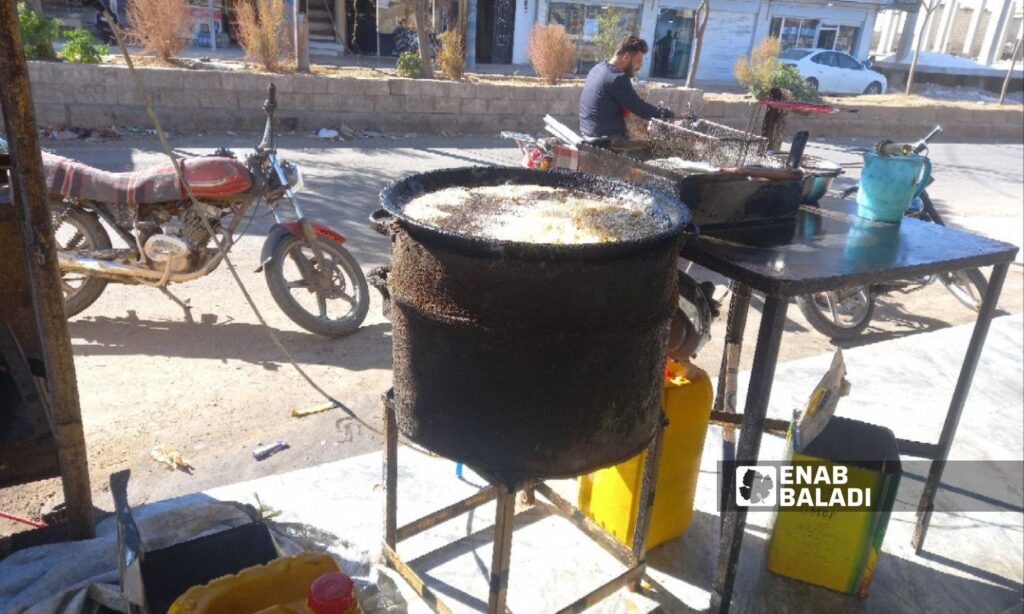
[[329, 102], [398, 86], [217, 99], [500, 106], [473, 106], [357, 87], [246, 82], [162, 78], [436, 104], [308, 84], [392, 103], [93, 94]]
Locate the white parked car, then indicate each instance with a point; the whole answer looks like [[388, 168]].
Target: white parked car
[[834, 72]]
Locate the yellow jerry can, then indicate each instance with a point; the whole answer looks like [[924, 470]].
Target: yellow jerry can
[[610, 496], [307, 583]]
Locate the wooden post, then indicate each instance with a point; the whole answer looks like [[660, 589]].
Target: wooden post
[[30, 204], [699, 25], [301, 25]]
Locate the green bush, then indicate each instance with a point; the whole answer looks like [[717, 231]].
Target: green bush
[[409, 65], [80, 46], [37, 34], [610, 31], [787, 77]]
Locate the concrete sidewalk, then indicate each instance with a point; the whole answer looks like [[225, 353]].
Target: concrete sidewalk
[[973, 561]]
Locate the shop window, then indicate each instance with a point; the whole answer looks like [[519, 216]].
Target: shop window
[[846, 40], [794, 32], [580, 22], [673, 42]]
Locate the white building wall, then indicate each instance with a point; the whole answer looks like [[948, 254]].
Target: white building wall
[[734, 26], [526, 16]]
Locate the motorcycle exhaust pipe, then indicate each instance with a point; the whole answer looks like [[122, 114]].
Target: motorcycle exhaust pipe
[[75, 262]]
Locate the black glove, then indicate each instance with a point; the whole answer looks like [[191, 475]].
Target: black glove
[[665, 113]]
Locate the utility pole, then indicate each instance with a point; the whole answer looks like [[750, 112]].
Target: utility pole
[[301, 36], [1009, 73]]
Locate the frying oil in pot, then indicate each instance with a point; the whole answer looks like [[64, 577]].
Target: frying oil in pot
[[539, 214]]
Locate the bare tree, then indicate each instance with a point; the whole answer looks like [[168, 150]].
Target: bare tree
[[928, 6], [699, 24], [1009, 73], [423, 37]]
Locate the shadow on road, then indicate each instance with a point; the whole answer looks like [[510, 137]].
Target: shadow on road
[[367, 348]]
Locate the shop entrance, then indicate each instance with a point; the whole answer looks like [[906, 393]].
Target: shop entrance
[[673, 42], [495, 31]]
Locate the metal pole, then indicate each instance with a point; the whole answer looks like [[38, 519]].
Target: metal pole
[[501, 556], [30, 200], [766, 356], [645, 507], [728, 375], [956, 406], [471, 34], [213, 23], [390, 477]]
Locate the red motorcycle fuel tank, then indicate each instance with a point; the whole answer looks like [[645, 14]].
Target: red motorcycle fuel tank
[[216, 177]]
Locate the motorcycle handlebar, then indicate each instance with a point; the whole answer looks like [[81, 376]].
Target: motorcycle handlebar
[[923, 143], [269, 141]]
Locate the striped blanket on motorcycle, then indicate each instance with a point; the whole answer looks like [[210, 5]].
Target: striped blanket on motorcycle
[[72, 179]]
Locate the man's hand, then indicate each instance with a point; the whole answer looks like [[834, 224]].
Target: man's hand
[[665, 113]]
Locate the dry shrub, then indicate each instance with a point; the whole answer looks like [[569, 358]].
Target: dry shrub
[[757, 72], [551, 52], [163, 26], [452, 56], [261, 32]]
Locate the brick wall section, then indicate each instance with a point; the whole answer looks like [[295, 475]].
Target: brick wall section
[[198, 100], [1004, 124]]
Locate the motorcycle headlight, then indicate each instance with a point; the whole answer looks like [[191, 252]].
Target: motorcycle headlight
[[294, 176]]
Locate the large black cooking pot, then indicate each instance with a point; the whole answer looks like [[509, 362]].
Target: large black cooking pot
[[527, 360]]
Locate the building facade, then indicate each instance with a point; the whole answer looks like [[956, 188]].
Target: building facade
[[734, 27]]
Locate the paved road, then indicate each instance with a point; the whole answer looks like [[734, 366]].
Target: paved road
[[217, 388]]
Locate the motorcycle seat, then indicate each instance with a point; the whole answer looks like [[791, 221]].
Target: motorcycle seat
[[209, 177]]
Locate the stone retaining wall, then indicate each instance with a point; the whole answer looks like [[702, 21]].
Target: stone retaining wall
[[877, 121], [205, 100], [197, 100]]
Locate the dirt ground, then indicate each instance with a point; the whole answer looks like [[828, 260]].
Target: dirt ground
[[215, 388]]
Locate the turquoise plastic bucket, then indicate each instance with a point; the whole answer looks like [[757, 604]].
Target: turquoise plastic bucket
[[888, 184]]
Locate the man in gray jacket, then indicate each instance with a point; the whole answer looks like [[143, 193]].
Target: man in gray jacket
[[608, 93]]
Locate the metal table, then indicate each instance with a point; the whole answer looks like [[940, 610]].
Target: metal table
[[829, 248]]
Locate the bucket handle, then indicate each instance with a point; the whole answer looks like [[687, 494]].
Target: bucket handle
[[378, 278], [926, 173], [382, 221]]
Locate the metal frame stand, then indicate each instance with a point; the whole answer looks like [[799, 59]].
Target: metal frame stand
[[635, 558], [766, 354]]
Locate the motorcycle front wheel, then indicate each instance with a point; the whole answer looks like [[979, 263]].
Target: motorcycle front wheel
[[840, 315], [74, 229], [332, 302]]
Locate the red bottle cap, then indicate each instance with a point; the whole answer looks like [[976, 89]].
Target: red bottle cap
[[331, 593]]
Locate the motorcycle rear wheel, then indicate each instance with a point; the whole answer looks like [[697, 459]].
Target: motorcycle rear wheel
[[78, 229], [288, 271], [838, 318], [968, 286]]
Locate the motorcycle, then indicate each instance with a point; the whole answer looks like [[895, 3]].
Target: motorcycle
[[845, 314], [171, 240]]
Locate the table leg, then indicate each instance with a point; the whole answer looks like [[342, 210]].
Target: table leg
[[501, 556], [390, 477], [725, 397], [956, 406], [766, 355]]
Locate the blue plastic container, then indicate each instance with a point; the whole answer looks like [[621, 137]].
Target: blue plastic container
[[888, 184]]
